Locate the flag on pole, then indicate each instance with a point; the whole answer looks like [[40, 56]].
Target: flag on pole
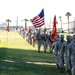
[[54, 31], [38, 20]]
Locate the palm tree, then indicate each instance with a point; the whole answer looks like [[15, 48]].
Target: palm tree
[[68, 14], [60, 21], [26, 20], [8, 20]]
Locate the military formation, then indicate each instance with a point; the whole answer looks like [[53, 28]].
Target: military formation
[[64, 52], [63, 49], [44, 39], [41, 38]]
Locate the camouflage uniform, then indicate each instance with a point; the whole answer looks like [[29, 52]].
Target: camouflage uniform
[[48, 42], [64, 54], [34, 38], [39, 40], [59, 61], [72, 54], [30, 38], [44, 37], [57, 38]]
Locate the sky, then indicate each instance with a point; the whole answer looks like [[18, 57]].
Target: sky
[[27, 9]]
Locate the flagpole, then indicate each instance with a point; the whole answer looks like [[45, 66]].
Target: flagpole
[[44, 25], [44, 18]]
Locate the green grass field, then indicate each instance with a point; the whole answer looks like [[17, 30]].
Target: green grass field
[[17, 57]]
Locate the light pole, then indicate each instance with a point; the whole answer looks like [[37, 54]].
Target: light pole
[[17, 23], [60, 21]]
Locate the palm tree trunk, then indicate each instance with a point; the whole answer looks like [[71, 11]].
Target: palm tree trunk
[[61, 24], [68, 24], [8, 26], [25, 25]]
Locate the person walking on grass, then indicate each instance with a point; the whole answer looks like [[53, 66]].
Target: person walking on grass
[[72, 55], [39, 40], [64, 54], [59, 60], [44, 38]]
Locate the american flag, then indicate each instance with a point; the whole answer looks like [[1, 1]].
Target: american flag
[[38, 20]]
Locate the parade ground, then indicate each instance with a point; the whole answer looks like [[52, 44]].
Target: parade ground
[[18, 57]]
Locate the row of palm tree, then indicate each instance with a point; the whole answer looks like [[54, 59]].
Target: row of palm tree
[[8, 21], [68, 14]]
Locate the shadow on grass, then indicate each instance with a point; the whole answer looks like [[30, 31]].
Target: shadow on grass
[[15, 62], [29, 55]]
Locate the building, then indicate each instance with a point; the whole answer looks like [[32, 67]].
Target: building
[[71, 27]]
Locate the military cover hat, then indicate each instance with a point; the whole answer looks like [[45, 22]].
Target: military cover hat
[[73, 36], [68, 36], [62, 36]]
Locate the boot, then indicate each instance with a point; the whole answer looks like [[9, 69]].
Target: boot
[[69, 72], [61, 70], [57, 66]]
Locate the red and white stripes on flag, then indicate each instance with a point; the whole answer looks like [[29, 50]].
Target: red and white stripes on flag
[[38, 20]]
